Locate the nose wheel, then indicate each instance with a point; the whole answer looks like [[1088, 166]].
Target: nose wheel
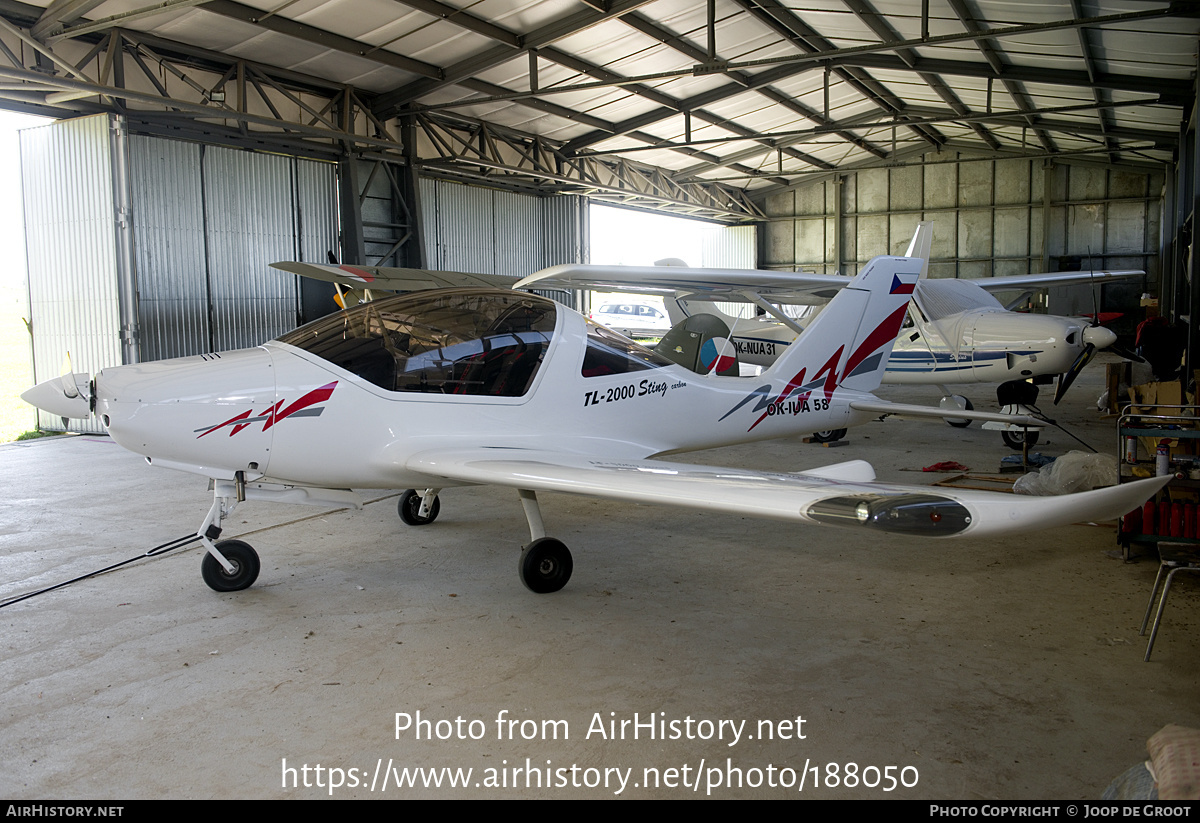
[[241, 557], [414, 510], [1018, 440]]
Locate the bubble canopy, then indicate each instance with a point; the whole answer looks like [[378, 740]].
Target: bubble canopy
[[455, 341]]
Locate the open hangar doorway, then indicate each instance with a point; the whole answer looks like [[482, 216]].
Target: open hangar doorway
[[627, 237]]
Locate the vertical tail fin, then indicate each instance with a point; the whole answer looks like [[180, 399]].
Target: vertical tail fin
[[920, 245], [849, 342]]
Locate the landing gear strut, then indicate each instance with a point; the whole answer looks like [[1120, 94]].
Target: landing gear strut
[[545, 565], [230, 565]]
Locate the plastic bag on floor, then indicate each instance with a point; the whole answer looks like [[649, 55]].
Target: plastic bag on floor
[[1073, 472]]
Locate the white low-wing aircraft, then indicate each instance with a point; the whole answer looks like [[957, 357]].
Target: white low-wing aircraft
[[486, 386], [956, 330]]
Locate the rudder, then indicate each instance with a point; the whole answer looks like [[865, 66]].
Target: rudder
[[849, 342]]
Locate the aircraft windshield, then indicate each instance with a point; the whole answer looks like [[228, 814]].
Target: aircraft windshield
[[457, 341], [943, 297]]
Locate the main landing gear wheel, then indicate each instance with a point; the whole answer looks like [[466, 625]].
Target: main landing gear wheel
[[410, 508], [245, 567], [1018, 439], [829, 436], [957, 401], [545, 565]]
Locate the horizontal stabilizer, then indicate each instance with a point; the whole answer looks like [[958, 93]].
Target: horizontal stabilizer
[[907, 410]]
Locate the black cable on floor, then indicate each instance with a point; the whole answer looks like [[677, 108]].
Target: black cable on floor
[[1059, 426], [162, 548]]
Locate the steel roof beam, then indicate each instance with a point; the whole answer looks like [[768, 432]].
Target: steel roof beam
[[390, 103], [1160, 138], [884, 31], [992, 54], [506, 37], [1089, 63], [721, 93], [1174, 91], [787, 25], [310, 34], [58, 14], [667, 102], [685, 47], [464, 19]]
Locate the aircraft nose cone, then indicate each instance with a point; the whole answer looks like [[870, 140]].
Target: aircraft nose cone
[[52, 396], [1099, 336]]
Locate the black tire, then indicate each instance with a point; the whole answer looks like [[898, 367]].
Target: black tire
[[1016, 440], [409, 508], [829, 436], [545, 565], [961, 422], [244, 560]]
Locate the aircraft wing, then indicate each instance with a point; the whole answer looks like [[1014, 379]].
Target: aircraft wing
[[838, 495], [392, 279], [725, 285], [1046, 281], [798, 288]]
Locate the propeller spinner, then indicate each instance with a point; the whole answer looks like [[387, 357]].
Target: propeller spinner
[[1094, 339], [70, 395]]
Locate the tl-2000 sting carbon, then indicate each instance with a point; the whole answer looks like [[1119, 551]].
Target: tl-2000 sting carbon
[[468, 386], [644, 388]]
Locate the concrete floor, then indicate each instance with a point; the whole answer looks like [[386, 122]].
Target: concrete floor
[[1007, 668]]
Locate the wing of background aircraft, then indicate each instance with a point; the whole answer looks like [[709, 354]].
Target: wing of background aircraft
[[1034, 282], [795, 288], [843, 494], [392, 279], [725, 285]]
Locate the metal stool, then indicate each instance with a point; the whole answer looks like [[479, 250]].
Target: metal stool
[[1180, 557]]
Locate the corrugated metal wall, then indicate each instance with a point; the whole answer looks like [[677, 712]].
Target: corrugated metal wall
[[70, 245], [468, 228], [731, 248], [990, 218], [206, 220], [168, 206], [250, 213]]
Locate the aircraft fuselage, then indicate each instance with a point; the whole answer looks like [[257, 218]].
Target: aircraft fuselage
[[286, 414]]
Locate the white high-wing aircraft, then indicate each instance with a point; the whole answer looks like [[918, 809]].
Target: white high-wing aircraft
[[485, 386]]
